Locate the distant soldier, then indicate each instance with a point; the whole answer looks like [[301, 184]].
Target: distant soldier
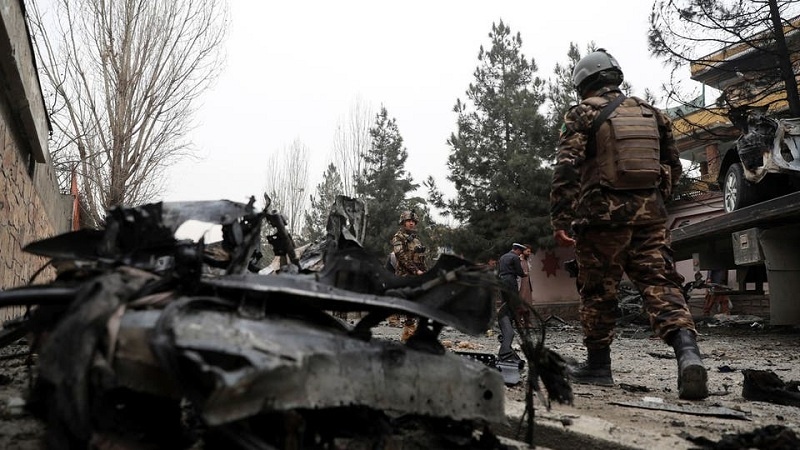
[[616, 166], [410, 256], [408, 249]]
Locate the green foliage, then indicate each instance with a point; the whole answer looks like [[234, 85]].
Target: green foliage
[[384, 186], [561, 93], [500, 153], [316, 217]]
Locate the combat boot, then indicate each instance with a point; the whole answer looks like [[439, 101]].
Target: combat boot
[[692, 376], [595, 370]]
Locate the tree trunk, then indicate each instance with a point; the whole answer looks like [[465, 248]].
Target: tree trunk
[[787, 73]]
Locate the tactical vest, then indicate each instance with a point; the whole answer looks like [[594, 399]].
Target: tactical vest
[[408, 247], [626, 147]]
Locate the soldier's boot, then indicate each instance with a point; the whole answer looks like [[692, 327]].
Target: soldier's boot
[[409, 327], [692, 375], [595, 370]]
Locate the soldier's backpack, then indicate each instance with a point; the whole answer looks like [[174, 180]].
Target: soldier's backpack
[[624, 139]]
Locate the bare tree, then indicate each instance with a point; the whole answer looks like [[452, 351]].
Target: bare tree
[[121, 79], [287, 184], [350, 144]]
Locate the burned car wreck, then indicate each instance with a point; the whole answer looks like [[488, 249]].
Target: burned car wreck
[[164, 342], [765, 161]]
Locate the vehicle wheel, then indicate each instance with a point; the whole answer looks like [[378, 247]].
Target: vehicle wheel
[[737, 191]]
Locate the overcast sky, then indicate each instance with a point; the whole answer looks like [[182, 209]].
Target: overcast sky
[[295, 68]]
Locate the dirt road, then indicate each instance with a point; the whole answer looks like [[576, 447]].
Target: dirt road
[[643, 367]]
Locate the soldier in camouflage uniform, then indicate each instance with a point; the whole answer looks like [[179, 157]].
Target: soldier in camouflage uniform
[[617, 213], [410, 258], [408, 249]]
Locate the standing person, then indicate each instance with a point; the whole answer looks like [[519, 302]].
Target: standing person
[[716, 285], [410, 258], [616, 165], [508, 269], [525, 290]]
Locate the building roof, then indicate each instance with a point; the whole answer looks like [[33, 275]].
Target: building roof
[[719, 69]]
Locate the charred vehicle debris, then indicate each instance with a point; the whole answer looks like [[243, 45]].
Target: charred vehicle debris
[[147, 338], [766, 160]]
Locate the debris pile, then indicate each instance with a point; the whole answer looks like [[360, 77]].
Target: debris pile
[[149, 339]]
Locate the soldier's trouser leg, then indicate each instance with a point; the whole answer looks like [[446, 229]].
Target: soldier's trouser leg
[[599, 252], [651, 267]]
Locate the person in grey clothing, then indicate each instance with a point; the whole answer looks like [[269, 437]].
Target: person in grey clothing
[[508, 269]]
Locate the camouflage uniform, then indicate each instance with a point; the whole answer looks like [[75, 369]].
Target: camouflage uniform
[[410, 258], [617, 230], [410, 253]]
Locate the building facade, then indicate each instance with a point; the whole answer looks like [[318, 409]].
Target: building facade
[[31, 206]]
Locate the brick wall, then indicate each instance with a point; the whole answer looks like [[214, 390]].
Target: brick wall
[[741, 304], [756, 305], [23, 218], [31, 207]]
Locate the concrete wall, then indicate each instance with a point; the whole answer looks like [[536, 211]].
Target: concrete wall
[[552, 286], [31, 207]]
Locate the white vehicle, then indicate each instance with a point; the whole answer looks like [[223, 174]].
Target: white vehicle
[[764, 163]]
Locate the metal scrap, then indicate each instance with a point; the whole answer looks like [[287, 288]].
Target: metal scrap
[[136, 328], [696, 410]]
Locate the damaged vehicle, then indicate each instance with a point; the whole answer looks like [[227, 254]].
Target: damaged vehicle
[[765, 161], [148, 339]]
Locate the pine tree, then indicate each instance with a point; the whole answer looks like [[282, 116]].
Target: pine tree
[[316, 217], [384, 184], [499, 153], [561, 93]]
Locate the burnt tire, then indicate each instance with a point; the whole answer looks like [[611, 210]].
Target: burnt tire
[[737, 191]]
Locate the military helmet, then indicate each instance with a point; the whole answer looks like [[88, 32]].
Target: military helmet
[[597, 69], [408, 215]]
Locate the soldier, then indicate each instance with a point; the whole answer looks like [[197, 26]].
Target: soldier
[[616, 165], [410, 258]]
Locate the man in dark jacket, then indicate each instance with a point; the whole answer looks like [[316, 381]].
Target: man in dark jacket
[[616, 165], [508, 269]]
